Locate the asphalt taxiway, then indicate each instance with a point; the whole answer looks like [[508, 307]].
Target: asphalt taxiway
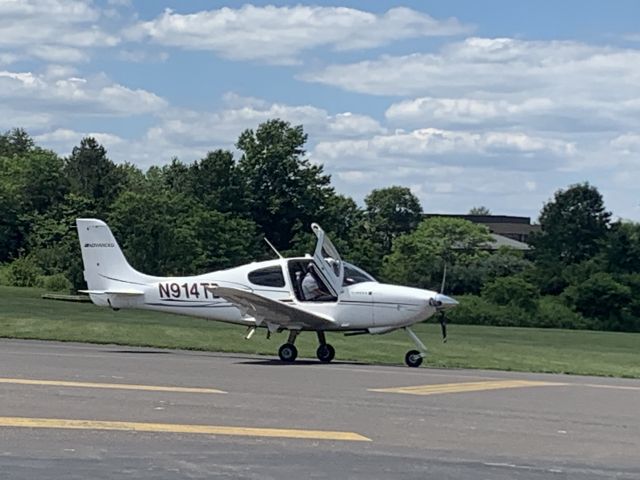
[[93, 411]]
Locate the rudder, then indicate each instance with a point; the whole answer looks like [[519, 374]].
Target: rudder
[[105, 266]]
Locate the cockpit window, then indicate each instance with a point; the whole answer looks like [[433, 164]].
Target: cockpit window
[[353, 275], [268, 277]]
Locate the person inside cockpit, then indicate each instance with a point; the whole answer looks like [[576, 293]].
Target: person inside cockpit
[[311, 288]]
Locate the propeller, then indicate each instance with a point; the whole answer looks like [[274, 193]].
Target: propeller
[[442, 303], [443, 316], [443, 326]]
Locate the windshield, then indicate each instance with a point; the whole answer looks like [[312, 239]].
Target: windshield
[[353, 275]]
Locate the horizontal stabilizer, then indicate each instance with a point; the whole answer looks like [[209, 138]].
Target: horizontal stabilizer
[[113, 292]]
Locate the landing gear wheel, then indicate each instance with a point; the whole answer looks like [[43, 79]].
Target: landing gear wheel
[[288, 353], [413, 358], [325, 353]]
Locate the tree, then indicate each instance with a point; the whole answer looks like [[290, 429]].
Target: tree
[[15, 142], [479, 211], [217, 182], [53, 239], [601, 297], [176, 177], [286, 191], [169, 234], [391, 212], [418, 258], [513, 291], [31, 182], [574, 225], [622, 248], [93, 175], [470, 277]]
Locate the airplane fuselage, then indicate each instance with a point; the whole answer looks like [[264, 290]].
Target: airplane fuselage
[[367, 305]]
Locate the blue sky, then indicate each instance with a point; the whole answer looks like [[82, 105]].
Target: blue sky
[[495, 103]]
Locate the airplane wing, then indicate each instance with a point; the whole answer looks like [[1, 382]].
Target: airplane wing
[[273, 311]]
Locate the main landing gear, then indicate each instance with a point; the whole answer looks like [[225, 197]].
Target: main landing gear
[[325, 351], [413, 358], [288, 352]]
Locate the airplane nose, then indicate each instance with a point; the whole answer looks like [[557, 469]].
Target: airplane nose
[[442, 302]]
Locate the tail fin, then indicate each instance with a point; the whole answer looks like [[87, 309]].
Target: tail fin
[[105, 267]]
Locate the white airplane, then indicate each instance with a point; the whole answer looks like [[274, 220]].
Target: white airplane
[[318, 293]]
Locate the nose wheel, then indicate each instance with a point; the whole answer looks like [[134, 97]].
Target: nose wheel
[[414, 358]]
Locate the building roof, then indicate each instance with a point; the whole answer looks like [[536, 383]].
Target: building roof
[[500, 241]]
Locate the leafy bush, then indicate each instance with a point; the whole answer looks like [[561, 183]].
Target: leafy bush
[[514, 291], [553, 313], [23, 272], [474, 310], [54, 283], [4, 271], [550, 312], [600, 296]]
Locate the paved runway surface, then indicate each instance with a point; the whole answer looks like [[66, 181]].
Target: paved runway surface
[[81, 411]]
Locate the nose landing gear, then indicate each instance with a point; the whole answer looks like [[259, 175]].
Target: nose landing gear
[[414, 358]]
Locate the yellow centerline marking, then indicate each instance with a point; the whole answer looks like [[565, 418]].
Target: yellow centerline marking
[[442, 388], [121, 386], [22, 422]]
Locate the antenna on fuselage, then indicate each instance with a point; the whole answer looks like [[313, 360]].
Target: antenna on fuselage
[[272, 247]]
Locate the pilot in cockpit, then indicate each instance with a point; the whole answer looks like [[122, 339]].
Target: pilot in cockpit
[[310, 288]]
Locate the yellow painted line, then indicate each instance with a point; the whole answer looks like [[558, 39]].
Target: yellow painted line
[[442, 388], [21, 422], [121, 386]]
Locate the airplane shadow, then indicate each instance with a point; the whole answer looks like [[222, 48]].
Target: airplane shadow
[[140, 352], [239, 359], [277, 362]]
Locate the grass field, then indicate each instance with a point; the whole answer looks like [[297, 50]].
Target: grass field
[[23, 314]]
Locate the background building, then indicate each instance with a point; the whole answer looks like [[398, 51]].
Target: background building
[[506, 230]]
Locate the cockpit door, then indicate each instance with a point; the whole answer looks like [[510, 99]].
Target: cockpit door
[[328, 261]]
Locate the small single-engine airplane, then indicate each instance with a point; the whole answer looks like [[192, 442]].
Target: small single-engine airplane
[[318, 293]]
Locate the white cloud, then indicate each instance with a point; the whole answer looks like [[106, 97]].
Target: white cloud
[[63, 139], [427, 145], [463, 110], [500, 66], [75, 95], [53, 30], [568, 88], [280, 34], [627, 144], [222, 128]]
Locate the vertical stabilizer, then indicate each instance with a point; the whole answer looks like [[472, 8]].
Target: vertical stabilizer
[[105, 267]]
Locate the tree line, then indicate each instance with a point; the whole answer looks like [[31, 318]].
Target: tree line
[[183, 219]]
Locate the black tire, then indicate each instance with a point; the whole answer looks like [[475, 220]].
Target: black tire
[[325, 353], [288, 353], [413, 358]]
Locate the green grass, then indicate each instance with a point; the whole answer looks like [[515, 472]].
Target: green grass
[[23, 314]]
